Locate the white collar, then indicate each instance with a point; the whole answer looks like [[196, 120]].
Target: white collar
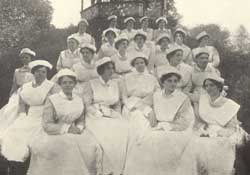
[[103, 82], [168, 96], [61, 93]]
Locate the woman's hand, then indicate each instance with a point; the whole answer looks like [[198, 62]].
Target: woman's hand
[[74, 130]]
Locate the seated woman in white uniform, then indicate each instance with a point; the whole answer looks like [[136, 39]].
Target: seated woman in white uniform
[[129, 30], [179, 37], [18, 136], [22, 75], [85, 69], [65, 146], [138, 87], [175, 57], [108, 49], [203, 39], [162, 28], [82, 36], [70, 56], [219, 129], [162, 149], [103, 115], [122, 58]]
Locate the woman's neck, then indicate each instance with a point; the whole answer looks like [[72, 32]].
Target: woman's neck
[[122, 52], [88, 61], [68, 95], [111, 42], [168, 92], [214, 97], [105, 78], [38, 82], [72, 49]]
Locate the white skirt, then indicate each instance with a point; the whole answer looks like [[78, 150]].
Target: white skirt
[[8, 114], [17, 137]]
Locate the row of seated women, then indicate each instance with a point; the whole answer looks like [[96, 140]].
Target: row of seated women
[[93, 119]]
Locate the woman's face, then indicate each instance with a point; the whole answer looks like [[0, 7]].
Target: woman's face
[[123, 45], [109, 70], [176, 58], [170, 84], [67, 84], [139, 64], [26, 58], [110, 36], [130, 24], [82, 27], [164, 43], [179, 38], [211, 88], [72, 44], [202, 61], [87, 55], [162, 24], [139, 40], [204, 41], [40, 74], [113, 23], [145, 23]]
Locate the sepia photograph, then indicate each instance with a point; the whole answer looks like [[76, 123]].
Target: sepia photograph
[[124, 87]]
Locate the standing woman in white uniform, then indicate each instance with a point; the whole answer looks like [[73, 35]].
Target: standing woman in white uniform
[[162, 46], [129, 30], [82, 36], [162, 22], [65, 141], [179, 37], [122, 58], [203, 39], [108, 49], [85, 69], [175, 57], [69, 56], [22, 75], [19, 135], [103, 115], [112, 24], [162, 150], [145, 27]]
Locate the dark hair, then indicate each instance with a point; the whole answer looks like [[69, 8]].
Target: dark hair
[[218, 84], [87, 49], [199, 40], [171, 54], [199, 54], [118, 43], [133, 61], [167, 76], [100, 69], [71, 77], [159, 42], [38, 67], [110, 31], [144, 37]]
